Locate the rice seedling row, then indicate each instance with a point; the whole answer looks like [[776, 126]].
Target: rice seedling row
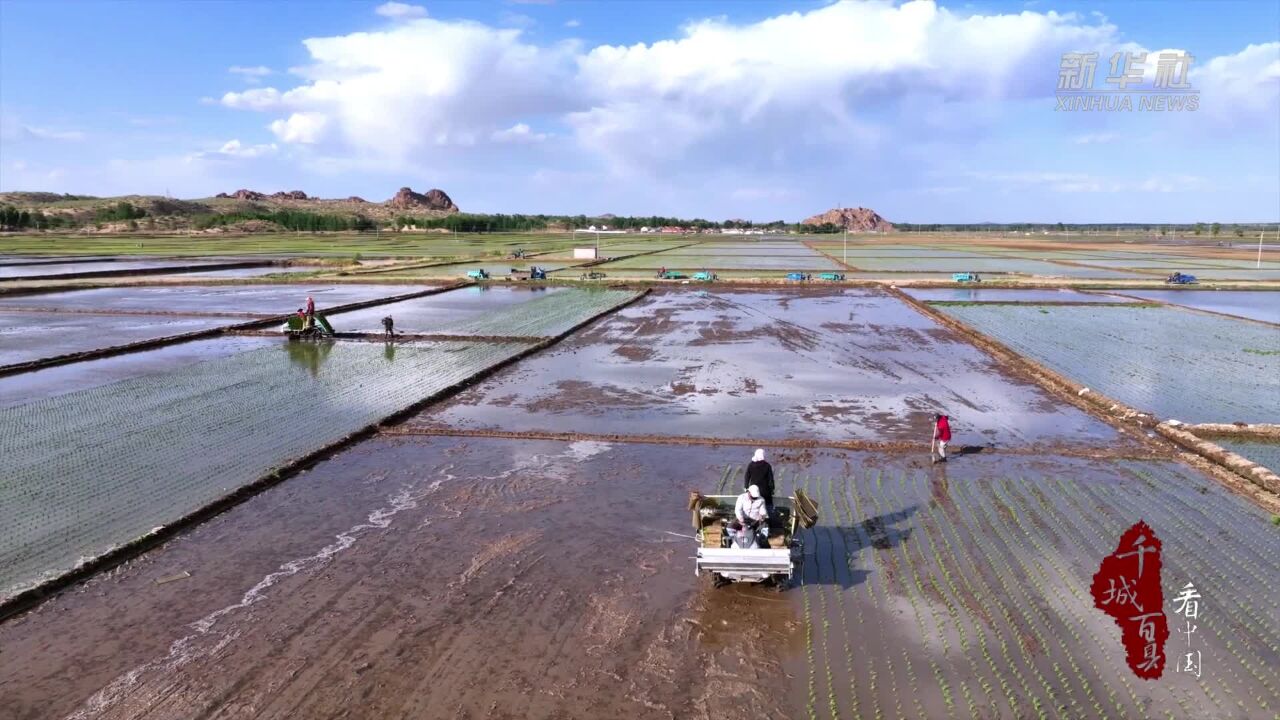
[[1164, 360], [546, 316], [956, 555], [947, 527], [901, 564], [84, 472], [1067, 611], [874, 591], [844, 523], [1027, 634], [1024, 625]]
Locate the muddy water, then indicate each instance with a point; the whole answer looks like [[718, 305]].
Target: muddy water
[[264, 299], [449, 578], [28, 336], [417, 579], [430, 314], [826, 364], [26, 387]]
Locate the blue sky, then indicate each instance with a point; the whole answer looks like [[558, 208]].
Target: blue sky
[[925, 112]]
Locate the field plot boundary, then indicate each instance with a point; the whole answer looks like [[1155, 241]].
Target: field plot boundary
[[1233, 461], [30, 597], [64, 359], [1118, 414]]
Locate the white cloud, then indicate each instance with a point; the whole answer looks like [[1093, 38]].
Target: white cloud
[[803, 97], [518, 133], [234, 148], [254, 99], [44, 133], [573, 23], [307, 128], [415, 88], [1243, 87], [400, 11]]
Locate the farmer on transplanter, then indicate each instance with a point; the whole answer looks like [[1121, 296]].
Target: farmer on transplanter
[[760, 474], [310, 318], [941, 436]]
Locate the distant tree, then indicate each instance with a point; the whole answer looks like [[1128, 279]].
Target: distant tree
[[1198, 229], [1215, 229], [1239, 232], [1061, 227]]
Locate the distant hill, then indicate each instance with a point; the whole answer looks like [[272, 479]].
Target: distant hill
[[240, 210], [852, 219]]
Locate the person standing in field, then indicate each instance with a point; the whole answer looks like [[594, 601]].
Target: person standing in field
[[388, 327], [941, 436], [760, 474]]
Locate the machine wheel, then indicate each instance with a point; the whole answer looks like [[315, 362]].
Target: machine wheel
[[718, 580]]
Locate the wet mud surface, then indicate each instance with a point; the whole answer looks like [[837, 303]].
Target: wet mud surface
[[831, 364], [445, 578]]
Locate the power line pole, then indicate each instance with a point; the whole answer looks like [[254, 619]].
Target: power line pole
[[1264, 232]]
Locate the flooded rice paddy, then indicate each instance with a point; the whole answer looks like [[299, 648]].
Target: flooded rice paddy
[[531, 530]]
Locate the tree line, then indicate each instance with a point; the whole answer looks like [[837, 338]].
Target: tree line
[[298, 220]]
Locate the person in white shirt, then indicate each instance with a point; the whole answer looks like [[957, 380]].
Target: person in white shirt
[[751, 516]]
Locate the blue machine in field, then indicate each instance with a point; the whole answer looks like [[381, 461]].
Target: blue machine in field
[[797, 276], [1181, 279], [480, 274], [704, 276], [831, 277], [965, 277]]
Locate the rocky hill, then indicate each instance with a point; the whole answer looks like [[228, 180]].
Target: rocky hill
[[131, 212], [852, 219]]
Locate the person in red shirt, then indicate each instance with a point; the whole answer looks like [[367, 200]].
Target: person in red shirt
[[941, 436]]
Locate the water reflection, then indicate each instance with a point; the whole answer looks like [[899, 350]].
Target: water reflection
[[310, 355]]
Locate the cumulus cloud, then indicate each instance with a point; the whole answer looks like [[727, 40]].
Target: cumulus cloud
[[255, 99], [307, 128], [400, 11], [826, 89], [573, 23], [417, 87], [1245, 85]]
